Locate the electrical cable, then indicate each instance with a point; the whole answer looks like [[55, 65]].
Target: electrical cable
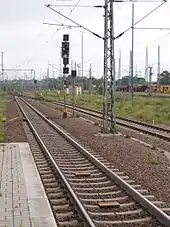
[[74, 8], [118, 36], [48, 6], [122, 33], [62, 25], [58, 29]]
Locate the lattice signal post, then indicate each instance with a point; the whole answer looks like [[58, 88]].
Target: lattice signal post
[[109, 71], [65, 57]]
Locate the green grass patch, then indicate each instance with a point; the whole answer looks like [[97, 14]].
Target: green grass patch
[[147, 109], [4, 99]]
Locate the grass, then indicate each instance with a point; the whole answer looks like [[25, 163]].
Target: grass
[[154, 161], [142, 108], [4, 99]]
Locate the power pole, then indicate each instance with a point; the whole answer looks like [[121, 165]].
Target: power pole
[[35, 83], [82, 55], [25, 78], [132, 58], [53, 73], [48, 76], [79, 71], [159, 70], [61, 68], [119, 69], [2, 68], [146, 66], [130, 62], [109, 70], [90, 79], [136, 78], [150, 79], [73, 74]]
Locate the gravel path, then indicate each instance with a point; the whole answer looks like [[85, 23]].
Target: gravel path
[[146, 166], [13, 127]]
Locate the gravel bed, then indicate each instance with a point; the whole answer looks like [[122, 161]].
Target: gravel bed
[[155, 142], [148, 167], [14, 129]]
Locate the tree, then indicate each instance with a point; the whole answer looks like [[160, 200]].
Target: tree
[[165, 78], [125, 80]]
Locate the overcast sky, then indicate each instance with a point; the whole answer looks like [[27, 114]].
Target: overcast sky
[[27, 43]]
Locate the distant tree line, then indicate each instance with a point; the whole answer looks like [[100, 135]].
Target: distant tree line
[[57, 83], [126, 80]]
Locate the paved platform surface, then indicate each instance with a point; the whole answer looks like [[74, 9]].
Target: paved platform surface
[[23, 202]]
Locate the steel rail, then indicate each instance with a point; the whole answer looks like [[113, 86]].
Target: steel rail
[[79, 207], [121, 118], [97, 114], [161, 216], [92, 112]]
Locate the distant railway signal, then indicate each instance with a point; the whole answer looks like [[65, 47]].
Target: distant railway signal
[[66, 70], [73, 73]]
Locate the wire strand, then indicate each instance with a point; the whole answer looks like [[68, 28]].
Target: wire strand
[[118, 36], [74, 8]]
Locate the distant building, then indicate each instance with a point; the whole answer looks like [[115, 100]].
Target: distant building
[[78, 89]]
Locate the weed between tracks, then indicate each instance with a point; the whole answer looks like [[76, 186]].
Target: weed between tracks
[[154, 161]]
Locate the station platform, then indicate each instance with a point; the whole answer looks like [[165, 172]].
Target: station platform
[[23, 202]]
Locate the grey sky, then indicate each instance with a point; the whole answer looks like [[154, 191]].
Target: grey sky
[[27, 43]]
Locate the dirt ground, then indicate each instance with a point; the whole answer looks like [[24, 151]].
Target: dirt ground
[[13, 126]]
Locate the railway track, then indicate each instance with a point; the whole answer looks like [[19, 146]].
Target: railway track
[[150, 129], [81, 188]]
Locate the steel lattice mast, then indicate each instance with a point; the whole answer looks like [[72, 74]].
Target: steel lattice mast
[[109, 70]]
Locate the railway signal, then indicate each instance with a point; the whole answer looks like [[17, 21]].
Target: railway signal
[[65, 49], [65, 57]]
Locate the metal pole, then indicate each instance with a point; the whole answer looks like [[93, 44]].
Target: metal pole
[[112, 68], [61, 69], [53, 79], [109, 114], [79, 69], [136, 78], [132, 63], [82, 55], [105, 122], [26, 77], [2, 68], [31, 80], [65, 108], [150, 79], [90, 78], [159, 71], [48, 76], [146, 66], [34, 83], [119, 69], [74, 92]]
